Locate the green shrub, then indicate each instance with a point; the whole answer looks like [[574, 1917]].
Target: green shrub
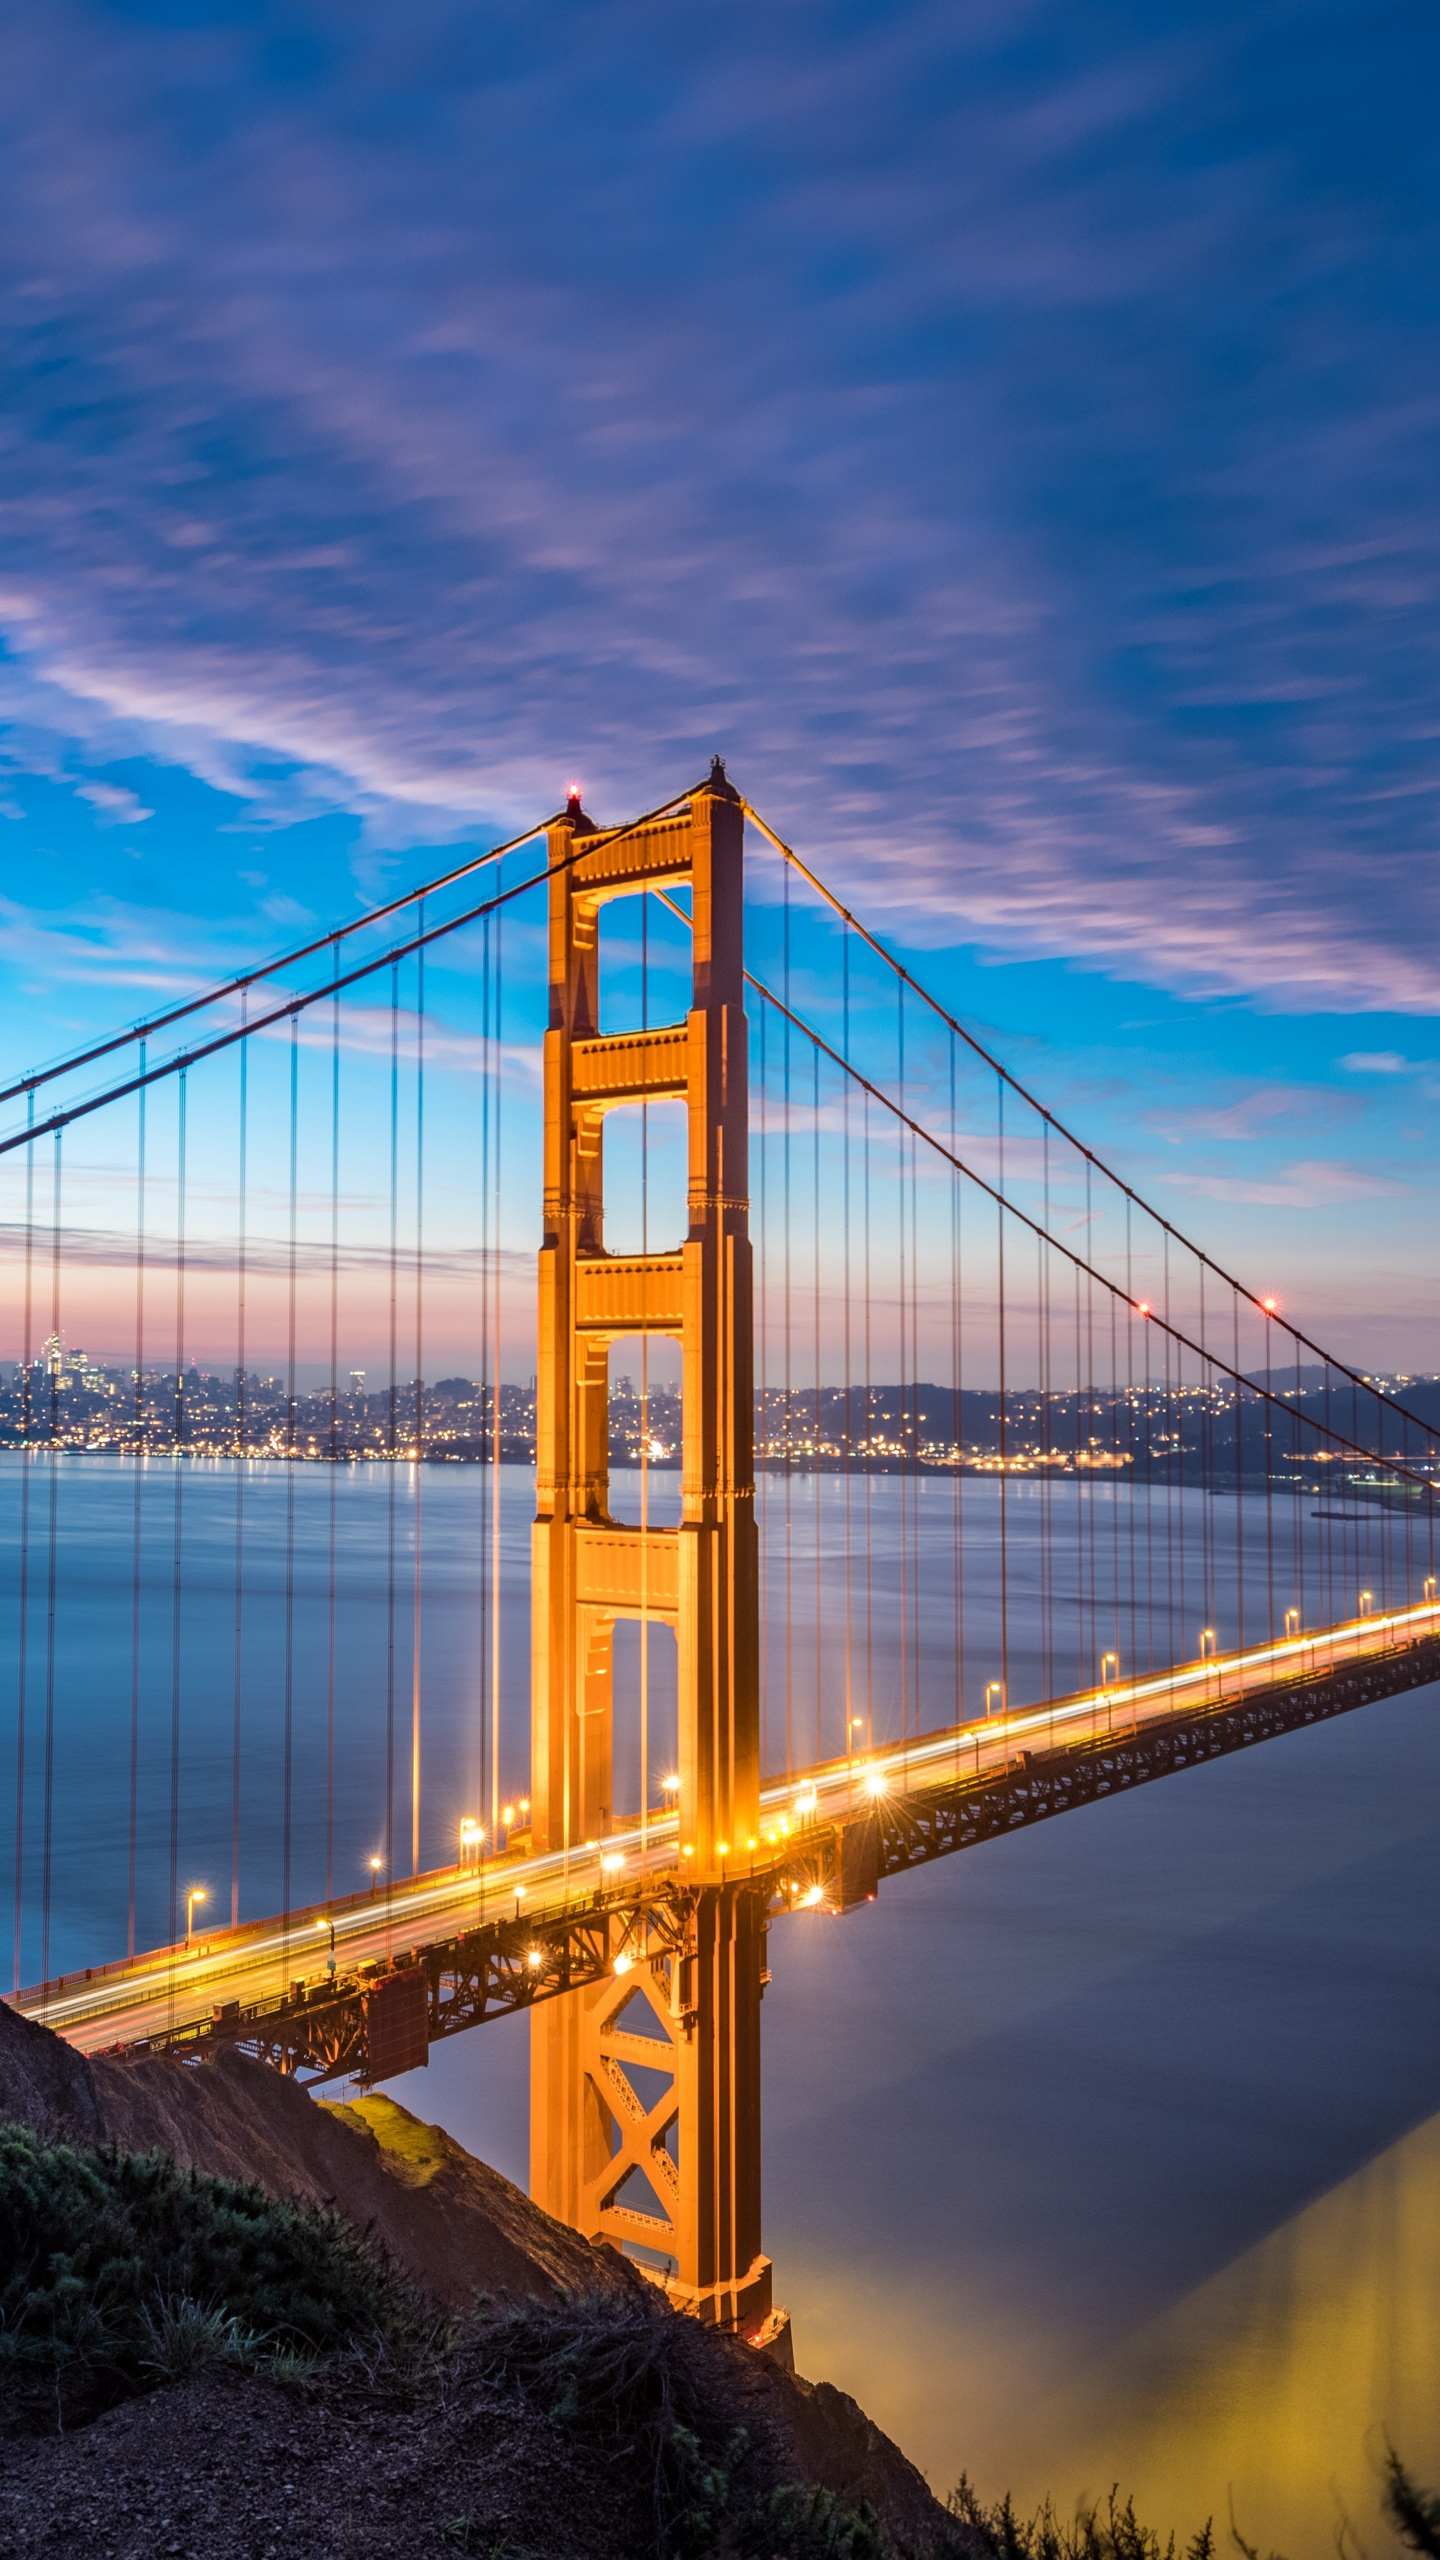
[[644, 2384], [997, 2533], [119, 2270]]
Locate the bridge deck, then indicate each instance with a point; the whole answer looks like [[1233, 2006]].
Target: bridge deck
[[517, 1929]]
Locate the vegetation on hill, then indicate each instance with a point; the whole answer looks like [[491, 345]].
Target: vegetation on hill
[[120, 2272]]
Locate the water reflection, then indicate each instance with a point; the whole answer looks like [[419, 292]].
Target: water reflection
[[1080, 2150]]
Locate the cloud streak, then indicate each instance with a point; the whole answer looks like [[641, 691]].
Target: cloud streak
[[1006, 434]]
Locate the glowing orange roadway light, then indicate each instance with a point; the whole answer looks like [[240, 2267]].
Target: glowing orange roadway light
[[535, 1959], [613, 1863], [197, 1893], [624, 1964], [875, 1782], [670, 1786]]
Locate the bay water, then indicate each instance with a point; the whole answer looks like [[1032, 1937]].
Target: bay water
[[1108, 2151]]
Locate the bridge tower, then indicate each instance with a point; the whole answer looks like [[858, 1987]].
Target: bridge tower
[[679, 2174]]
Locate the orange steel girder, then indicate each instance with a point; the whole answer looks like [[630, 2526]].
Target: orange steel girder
[[695, 2144]]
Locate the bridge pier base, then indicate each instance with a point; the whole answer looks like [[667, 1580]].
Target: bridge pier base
[[645, 2108]]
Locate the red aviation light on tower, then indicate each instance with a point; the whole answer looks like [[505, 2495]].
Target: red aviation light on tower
[[1143, 1307], [1269, 1305]]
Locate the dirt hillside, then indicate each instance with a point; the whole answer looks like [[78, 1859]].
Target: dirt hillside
[[460, 2229]]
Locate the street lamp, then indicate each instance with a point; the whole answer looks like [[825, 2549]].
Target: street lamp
[[1207, 1644], [330, 1961], [1367, 1602], [994, 1689], [375, 1866], [197, 1893], [471, 1837], [1292, 1622], [1109, 1668]]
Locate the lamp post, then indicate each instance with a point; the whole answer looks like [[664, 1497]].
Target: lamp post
[[330, 1961], [197, 1893]]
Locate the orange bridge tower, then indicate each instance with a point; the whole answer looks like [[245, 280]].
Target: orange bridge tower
[[678, 2172]]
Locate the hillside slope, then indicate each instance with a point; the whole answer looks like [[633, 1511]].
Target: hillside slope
[[450, 2221], [460, 2229]]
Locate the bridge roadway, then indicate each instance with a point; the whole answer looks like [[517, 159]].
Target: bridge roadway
[[498, 1935]]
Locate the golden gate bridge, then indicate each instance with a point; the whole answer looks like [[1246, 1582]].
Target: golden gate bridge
[[1084, 1509]]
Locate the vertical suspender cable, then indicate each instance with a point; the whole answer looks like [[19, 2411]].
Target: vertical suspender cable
[[906, 1436], [496, 1312], [137, 1521], [52, 1580], [418, 1470], [957, 1413], [1004, 1390], [177, 1463], [849, 1440], [487, 1418], [238, 1692], [762, 1471], [789, 1416], [1047, 1568], [917, 1481], [869, 1436], [1237, 1408], [1269, 1448], [817, 1478], [390, 1434], [22, 1669], [291, 1467], [332, 1523]]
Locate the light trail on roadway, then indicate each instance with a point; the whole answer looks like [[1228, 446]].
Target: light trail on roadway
[[172, 1987]]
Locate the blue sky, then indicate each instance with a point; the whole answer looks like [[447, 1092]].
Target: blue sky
[[1006, 432]]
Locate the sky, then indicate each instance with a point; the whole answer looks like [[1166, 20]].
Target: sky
[[1004, 431]]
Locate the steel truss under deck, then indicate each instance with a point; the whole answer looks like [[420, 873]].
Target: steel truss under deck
[[648, 1931]]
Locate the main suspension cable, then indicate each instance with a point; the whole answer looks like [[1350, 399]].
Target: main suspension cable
[[874, 944]]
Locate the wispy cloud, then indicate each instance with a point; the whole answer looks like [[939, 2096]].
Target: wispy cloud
[[1318, 1185], [1250, 1115], [115, 805], [1007, 435]]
